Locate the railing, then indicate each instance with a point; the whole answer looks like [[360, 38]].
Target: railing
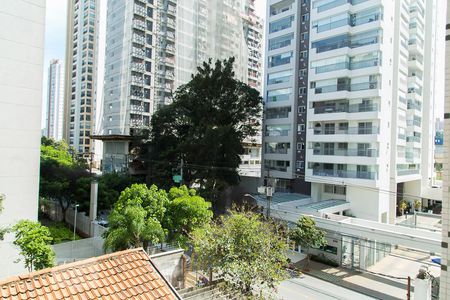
[[137, 66], [345, 174], [138, 39], [333, 25], [408, 172], [346, 87], [283, 132], [275, 12], [275, 168], [347, 65], [352, 108], [417, 123], [338, 3], [139, 10], [352, 43], [280, 45], [365, 64], [347, 152], [276, 151], [413, 139], [332, 67], [412, 105], [349, 130]]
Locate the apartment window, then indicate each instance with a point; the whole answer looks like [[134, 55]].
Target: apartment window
[[279, 77], [281, 41], [304, 36], [300, 164], [302, 91], [300, 146], [335, 189], [300, 127], [305, 17], [304, 54], [303, 72], [281, 24], [280, 59], [301, 109]]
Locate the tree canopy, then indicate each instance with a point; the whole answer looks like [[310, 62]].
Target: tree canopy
[[248, 252], [186, 212], [307, 235], [34, 240], [136, 218], [205, 125], [60, 170]]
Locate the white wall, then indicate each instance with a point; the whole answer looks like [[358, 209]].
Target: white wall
[[22, 26]]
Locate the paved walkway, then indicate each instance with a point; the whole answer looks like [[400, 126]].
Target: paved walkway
[[375, 286]]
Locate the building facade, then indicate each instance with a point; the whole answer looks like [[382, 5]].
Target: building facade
[[157, 48], [22, 30], [365, 69], [81, 74], [444, 285], [55, 100]]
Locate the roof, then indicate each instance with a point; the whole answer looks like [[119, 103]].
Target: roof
[[128, 274], [283, 197]]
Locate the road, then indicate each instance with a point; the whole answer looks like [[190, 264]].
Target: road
[[309, 288]]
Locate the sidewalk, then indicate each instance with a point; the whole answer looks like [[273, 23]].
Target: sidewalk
[[375, 286]]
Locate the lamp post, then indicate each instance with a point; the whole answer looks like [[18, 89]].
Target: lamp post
[[75, 220]]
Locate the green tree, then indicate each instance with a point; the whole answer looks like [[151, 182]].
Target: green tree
[[307, 235], [186, 212], [417, 204], [205, 125], [34, 240], [136, 218], [248, 252], [60, 171]]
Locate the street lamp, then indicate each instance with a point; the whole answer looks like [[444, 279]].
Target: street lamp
[[75, 221]]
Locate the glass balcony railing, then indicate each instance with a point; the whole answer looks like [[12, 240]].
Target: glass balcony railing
[[346, 87], [413, 139], [408, 172], [347, 152], [337, 3], [349, 66], [352, 108], [348, 130], [345, 174]]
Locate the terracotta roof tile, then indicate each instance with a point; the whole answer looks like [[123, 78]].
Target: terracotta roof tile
[[127, 274]]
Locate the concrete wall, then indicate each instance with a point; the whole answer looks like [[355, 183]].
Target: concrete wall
[[171, 266]]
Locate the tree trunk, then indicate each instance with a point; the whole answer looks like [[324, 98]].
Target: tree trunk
[[145, 245]]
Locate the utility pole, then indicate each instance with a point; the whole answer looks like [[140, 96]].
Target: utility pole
[[269, 192]]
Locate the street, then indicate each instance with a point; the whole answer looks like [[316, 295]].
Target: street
[[308, 288]]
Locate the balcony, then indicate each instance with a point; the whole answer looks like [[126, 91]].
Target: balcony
[[136, 80], [140, 11], [348, 66], [138, 67], [346, 87], [352, 108], [345, 174], [140, 25], [408, 172], [139, 53], [346, 152], [137, 109], [138, 39], [348, 130], [413, 139], [337, 3]]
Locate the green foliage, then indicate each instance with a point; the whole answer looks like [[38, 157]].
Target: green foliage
[[3, 231], [206, 125], [136, 218], [248, 252], [186, 212], [61, 233], [307, 235], [60, 171], [34, 240]]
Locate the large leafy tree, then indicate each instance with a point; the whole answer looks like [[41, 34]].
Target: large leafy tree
[[186, 212], [136, 218], [248, 252], [60, 171], [307, 235], [205, 125], [34, 241]]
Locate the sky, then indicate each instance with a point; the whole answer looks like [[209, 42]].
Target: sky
[[55, 40]]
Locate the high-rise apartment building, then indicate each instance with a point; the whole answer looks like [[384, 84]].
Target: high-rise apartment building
[[80, 77], [55, 100], [349, 100], [157, 48], [22, 29], [444, 285]]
